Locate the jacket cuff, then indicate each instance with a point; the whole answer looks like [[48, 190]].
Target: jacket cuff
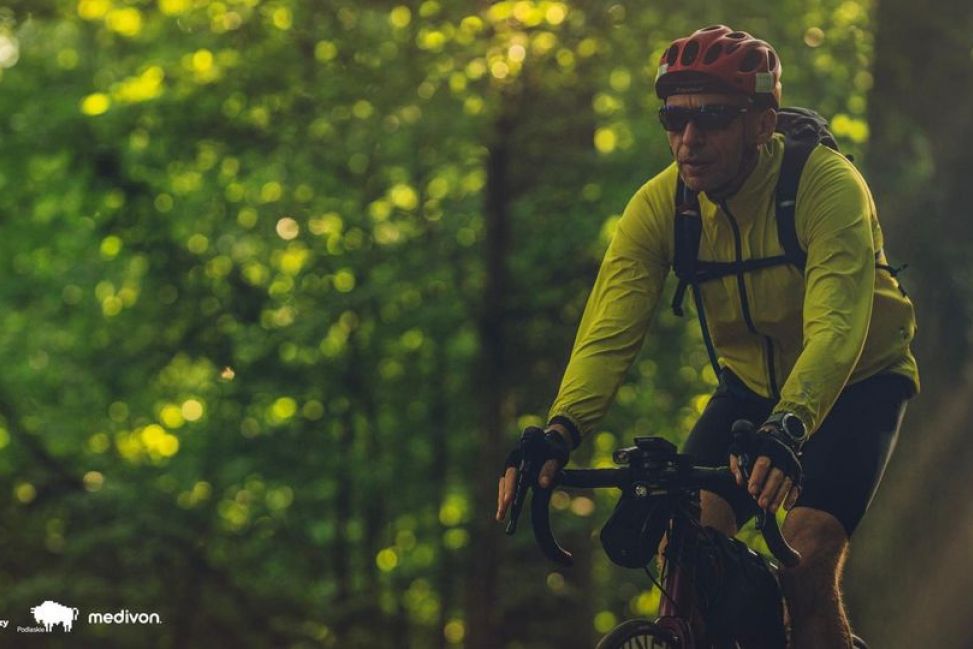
[[571, 428]]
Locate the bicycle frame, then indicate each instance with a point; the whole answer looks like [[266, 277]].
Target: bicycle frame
[[678, 613]]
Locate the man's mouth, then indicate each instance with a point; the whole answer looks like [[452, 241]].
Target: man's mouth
[[694, 165]]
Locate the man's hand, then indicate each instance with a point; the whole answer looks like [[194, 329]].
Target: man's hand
[[508, 481], [775, 477], [768, 486]]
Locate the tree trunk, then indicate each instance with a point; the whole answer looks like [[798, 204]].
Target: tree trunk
[[483, 604], [341, 554], [919, 158], [439, 412]]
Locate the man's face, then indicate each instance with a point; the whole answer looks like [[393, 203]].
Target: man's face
[[709, 159]]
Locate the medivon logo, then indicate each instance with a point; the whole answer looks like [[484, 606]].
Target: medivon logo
[[124, 616]]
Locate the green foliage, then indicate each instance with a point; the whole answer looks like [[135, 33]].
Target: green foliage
[[243, 249]]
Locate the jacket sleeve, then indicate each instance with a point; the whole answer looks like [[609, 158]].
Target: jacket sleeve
[[834, 214], [618, 311]]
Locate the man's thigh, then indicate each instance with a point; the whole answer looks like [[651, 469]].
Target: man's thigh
[[843, 461], [846, 457]]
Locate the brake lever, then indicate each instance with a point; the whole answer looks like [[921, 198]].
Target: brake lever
[[744, 464], [540, 514], [765, 522], [520, 492], [540, 518]]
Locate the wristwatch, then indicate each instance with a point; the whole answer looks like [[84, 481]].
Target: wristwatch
[[791, 425]]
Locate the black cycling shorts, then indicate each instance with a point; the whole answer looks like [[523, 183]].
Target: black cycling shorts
[[843, 461]]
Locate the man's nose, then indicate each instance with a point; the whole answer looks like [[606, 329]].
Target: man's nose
[[692, 134]]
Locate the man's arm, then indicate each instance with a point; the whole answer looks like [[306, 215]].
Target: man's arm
[[836, 211], [834, 216], [617, 314], [613, 326]]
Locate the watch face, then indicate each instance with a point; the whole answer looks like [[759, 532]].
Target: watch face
[[793, 426]]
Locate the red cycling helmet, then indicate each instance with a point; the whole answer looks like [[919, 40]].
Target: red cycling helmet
[[718, 59]]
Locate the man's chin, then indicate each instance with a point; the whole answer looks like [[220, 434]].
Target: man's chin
[[701, 182], [696, 183]]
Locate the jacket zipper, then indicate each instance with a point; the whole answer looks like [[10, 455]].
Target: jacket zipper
[[745, 304]]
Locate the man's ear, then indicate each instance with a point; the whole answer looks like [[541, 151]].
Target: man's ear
[[766, 123]]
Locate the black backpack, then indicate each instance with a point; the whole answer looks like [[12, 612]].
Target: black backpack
[[803, 130]]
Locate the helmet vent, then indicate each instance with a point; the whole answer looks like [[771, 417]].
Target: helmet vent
[[712, 53], [751, 61], [689, 53], [672, 54], [736, 35], [711, 28], [772, 60]]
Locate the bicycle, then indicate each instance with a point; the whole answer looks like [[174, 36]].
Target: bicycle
[[660, 488]]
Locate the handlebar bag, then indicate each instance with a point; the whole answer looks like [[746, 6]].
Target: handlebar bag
[[632, 534]]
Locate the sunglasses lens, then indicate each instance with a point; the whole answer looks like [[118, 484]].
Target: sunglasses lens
[[714, 120], [674, 118], [709, 118]]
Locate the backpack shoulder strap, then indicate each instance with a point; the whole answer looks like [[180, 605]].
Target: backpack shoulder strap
[[796, 152], [688, 230]]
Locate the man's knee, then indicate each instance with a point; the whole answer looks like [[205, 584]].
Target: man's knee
[[717, 513], [821, 540]]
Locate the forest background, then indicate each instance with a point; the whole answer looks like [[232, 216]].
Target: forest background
[[282, 281]]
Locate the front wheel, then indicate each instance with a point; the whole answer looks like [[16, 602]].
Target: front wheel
[[638, 634]]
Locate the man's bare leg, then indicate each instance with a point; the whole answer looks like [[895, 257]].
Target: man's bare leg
[[812, 589], [717, 513]]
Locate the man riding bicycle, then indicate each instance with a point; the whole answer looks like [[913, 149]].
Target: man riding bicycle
[[817, 350]]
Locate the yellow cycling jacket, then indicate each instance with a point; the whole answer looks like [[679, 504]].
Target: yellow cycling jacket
[[841, 322]]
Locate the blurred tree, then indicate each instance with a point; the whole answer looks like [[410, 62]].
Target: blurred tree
[[919, 109]]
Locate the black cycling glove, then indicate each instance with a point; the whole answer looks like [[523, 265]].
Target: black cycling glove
[[537, 447], [769, 441]]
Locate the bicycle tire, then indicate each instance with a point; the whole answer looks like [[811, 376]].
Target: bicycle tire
[[638, 634]]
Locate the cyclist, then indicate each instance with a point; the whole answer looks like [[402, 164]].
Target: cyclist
[[818, 357]]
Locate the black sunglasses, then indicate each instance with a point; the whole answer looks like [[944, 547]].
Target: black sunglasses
[[715, 117]]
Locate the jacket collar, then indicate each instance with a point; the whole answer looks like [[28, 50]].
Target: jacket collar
[[758, 185]]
